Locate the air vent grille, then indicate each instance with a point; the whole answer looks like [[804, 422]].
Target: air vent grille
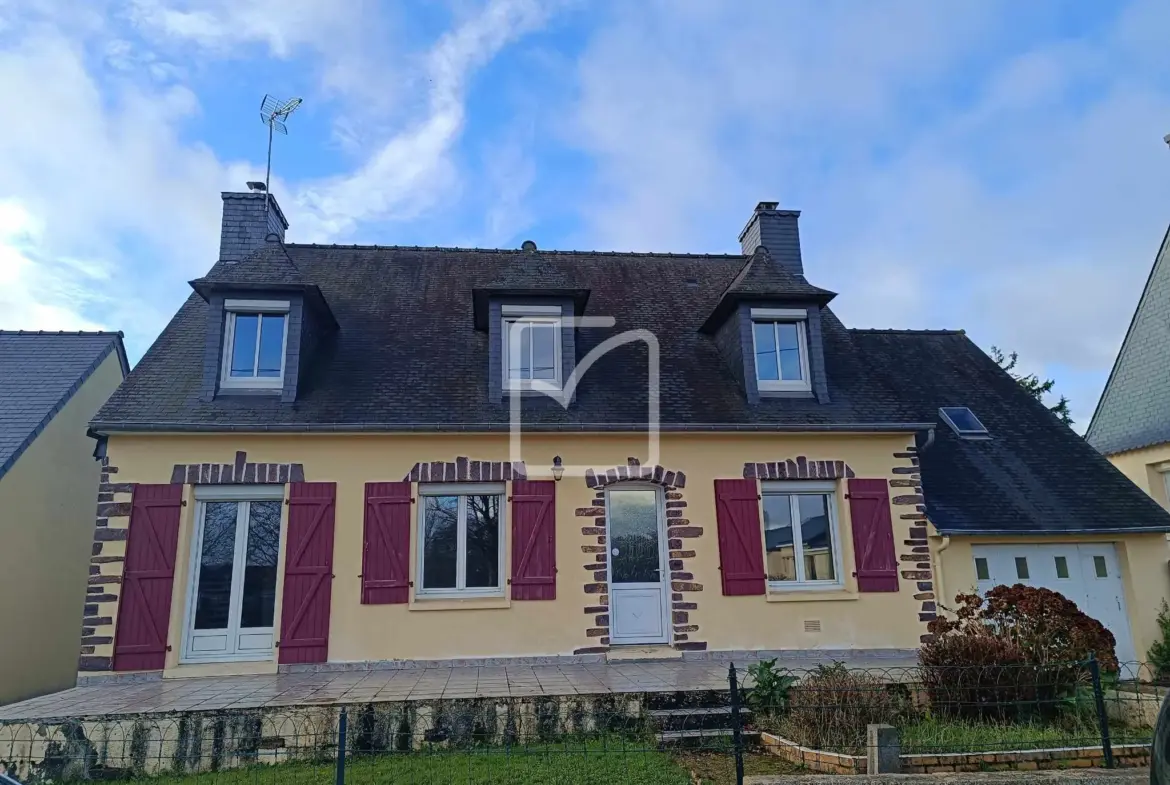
[[812, 625]]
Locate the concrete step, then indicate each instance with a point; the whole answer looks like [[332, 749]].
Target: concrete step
[[693, 718], [699, 737], [635, 653], [706, 711]]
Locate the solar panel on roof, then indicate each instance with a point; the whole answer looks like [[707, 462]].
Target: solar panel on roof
[[963, 421]]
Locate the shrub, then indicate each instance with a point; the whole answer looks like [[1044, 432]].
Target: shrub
[[768, 695], [1159, 654], [1018, 654], [831, 707], [1045, 625]]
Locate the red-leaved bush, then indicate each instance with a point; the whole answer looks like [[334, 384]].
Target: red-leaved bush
[[1046, 625], [1015, 652]]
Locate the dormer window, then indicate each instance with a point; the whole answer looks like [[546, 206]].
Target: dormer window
[[780, 345], [531, 347], [255, 336]]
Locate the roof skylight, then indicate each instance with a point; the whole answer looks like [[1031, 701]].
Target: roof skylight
[[963, 421]]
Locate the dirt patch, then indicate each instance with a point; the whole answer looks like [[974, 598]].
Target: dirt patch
[[719, 768]]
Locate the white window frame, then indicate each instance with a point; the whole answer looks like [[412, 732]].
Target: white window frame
[[233, 308], [532, 314], [462, 490], [776, 316], [242, 494], [794, 489]]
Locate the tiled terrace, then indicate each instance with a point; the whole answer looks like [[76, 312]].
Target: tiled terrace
[[300, 689]]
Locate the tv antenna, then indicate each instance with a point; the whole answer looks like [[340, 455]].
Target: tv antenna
[[274, 113]]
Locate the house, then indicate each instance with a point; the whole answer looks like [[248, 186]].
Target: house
[[1131, 425], [51, 384], [317, 466]]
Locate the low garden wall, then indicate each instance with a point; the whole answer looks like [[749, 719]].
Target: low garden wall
[[1124, 755], [130, 746]]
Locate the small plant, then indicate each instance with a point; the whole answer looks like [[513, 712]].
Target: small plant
[[771, 686], [1159, 654]]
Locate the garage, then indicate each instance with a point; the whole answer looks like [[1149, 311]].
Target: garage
[[1089, 574]]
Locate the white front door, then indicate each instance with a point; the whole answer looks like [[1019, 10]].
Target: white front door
[[1087, 574], [232, 595], [639, 592]]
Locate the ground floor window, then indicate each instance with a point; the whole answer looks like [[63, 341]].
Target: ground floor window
[[800, 535], [461, 540], [235, 553]]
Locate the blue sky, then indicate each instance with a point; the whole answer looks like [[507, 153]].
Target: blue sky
[[990, 165]]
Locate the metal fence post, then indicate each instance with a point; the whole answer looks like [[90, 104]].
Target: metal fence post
[[341, 727], [1102, 715], [736, 725]]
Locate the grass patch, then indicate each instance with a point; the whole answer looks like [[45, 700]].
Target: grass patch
[[583, 764], [940, 736], [719, 768]]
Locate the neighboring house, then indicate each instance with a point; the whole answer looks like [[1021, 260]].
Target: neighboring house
[[1131, 425], [314, 471], [51, 384]]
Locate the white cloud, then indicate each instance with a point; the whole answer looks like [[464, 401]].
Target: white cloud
[[949, 176], [410, 172], [29, 297], [109, 208], [95, 169]]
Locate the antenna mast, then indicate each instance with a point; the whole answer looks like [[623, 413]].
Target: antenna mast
[[274, 113]]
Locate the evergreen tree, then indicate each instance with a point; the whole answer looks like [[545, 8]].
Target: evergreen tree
[[1031, 382]]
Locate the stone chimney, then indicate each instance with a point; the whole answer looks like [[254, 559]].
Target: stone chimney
[[776, 230], [246, 225]]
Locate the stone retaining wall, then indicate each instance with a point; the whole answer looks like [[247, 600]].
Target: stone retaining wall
[[1124, 755]]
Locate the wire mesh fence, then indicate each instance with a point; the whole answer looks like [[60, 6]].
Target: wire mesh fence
[[770, 719]]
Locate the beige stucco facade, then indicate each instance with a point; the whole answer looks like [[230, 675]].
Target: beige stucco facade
[[46, 524], [1148, 468], [432, 629], [1143, 560], [445, 629]]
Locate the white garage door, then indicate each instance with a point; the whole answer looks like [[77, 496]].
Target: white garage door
[[1089, 575]]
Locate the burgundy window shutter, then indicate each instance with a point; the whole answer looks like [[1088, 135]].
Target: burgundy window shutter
[[873, 536], [741, 542], [534, 540], [308, 573], [386, 544], [144, 611]]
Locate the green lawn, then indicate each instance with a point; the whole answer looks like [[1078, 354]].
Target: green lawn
[[933, 735], [554, 764]]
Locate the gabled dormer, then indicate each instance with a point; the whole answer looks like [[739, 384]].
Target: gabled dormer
[[529, 309], [767, 322], [264, 319]]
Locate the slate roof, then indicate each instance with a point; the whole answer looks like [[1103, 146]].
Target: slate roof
[[1134, 409], [1033, 475], [407, 356], [269, 265], [762, 278], [39, 373]]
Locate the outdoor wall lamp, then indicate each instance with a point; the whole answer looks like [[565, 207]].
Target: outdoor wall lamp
[[558, 469]]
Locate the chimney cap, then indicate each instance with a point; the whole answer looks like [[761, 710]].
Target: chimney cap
[[767, 206], [256, 185]]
